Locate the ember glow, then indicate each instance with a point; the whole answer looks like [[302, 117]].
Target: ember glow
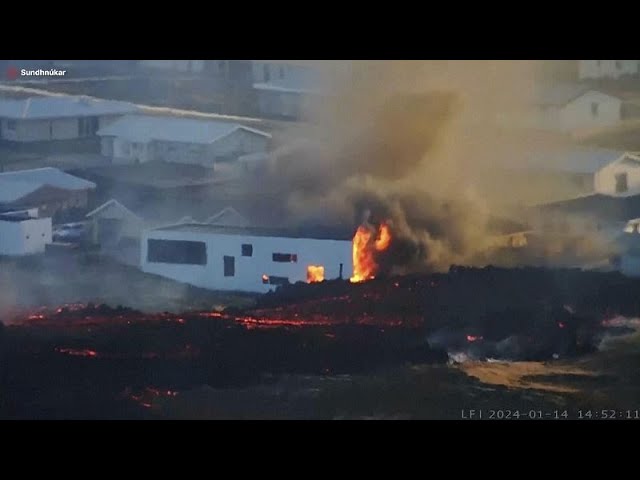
[[315, 273], [365, 247]]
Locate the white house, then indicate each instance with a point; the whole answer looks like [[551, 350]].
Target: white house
[[571, 108], [57, 118], [22, 233], [620, 178], [283, 88], [141, 138], [247, 259], [183, 66], [596, 69]]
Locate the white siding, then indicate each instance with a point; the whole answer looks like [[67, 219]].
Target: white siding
[[234, 145], [43, 130], [249, 270], [605, 179], [24, 238], [240, 142], [193, 66], [590, 69], [106, 146], [579, 114]]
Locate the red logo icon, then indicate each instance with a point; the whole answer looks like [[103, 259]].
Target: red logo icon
[[12, 73]]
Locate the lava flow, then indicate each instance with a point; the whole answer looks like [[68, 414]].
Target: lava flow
[[365, 247]]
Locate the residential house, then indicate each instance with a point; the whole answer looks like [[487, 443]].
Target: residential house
[[141, 139], [620, 178], [49, 189], [182, 66], [38, 119], [599, 69], [573, 108], [251, 259], [284, 88]]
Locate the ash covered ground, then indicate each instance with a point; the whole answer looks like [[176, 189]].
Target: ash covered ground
[[423, 346]]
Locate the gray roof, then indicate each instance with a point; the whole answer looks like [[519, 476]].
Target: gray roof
[[144, 128], [570, 160], [229, 216], [61, 106], [560, 95], [311, 232], [16, 185]]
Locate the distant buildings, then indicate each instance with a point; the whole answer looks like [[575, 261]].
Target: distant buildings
[[184, 66], [283, 89], [600, 69], [569, 108], [38, 119], [141, 139]]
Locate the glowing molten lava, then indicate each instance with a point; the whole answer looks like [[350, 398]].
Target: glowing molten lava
[[365, 246], [315, 273]]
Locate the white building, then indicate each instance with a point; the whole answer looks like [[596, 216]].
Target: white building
[[247, 259], [141, 138], [596, 69], [183, 66], [284, 88], [57, 118], [620, 178], [572, 108], [22, 233]]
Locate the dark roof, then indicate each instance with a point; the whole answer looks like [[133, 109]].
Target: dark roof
[[19, 217], [599, 206], [310, 232], [155, 174]]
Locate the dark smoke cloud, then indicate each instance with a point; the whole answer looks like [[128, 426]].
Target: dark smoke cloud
[[414, 144]]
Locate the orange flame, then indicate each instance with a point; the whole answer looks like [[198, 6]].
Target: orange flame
[[364, 247], [315, 273]]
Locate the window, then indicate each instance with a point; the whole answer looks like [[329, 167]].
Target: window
[[618, 64], [11, 125], [247, 250], [221, 65], [621, 183], [266, 73], [285, 257], [229, 266], [176, 251], [281, 72], [594, 109]]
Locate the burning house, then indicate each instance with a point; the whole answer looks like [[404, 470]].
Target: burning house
[[252, 259]]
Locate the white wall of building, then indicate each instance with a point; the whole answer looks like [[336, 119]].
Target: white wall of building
[[43, 130], [593, 69], [236, 144], [192, 66], [249, 270], [591, 110], [25, 237], [605, 180]]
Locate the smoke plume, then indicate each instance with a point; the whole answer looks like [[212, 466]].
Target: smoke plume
[[415, 144]]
